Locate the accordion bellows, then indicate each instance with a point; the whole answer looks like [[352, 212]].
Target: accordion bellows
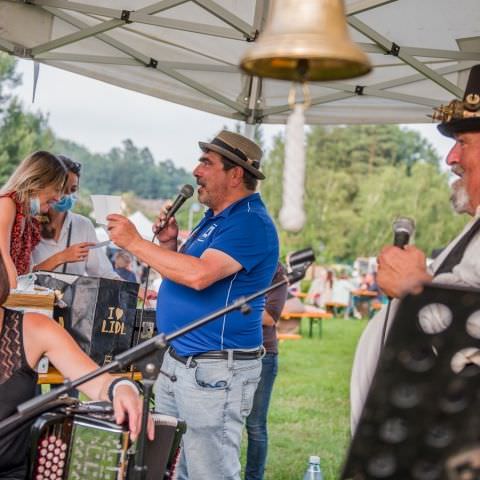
[[80, 446]]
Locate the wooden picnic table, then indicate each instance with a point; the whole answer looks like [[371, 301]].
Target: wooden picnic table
[[336, 307], [364, 293], [300, 294], [366, 296], [311, 316]]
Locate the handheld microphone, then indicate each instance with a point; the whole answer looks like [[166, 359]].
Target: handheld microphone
[[403, 228], [185, 193]]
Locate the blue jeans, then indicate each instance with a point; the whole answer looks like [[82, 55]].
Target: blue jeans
[[214, 397], [257, 420]]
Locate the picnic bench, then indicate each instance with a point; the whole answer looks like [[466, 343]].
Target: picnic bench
[[336, 308], [312, 316], [365, 296]]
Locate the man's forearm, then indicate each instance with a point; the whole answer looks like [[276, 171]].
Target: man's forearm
[[178, 267]]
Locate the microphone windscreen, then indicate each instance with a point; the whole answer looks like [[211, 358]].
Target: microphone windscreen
[[403, 228], [404, 224], [187, 191]]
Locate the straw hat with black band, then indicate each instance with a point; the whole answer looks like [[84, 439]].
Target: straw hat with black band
[[237, 148], [462, 116]]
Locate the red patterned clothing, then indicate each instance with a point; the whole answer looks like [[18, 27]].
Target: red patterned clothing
[[24, 237]]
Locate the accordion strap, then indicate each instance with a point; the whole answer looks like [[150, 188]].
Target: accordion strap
[[456, 254]]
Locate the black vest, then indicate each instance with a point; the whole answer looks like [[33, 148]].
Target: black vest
[[456, 254]]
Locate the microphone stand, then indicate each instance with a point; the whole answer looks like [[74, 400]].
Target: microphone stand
[[31, 408]]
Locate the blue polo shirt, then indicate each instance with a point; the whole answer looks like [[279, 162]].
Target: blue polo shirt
[[245, 232]]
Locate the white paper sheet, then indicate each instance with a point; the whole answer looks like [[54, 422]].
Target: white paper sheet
[[104, 205]]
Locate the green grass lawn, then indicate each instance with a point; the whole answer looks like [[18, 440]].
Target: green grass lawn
[[309, 412]]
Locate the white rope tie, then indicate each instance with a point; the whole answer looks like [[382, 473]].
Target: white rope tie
[[292, 215]]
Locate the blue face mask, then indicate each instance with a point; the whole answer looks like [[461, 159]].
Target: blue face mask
[[34, 206], [67, 202]]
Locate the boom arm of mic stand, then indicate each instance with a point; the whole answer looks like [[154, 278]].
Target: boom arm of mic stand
[[30, 408]]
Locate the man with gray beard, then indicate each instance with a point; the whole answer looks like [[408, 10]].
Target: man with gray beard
[[402, 271]]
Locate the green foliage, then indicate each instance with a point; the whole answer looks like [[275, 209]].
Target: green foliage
[[125, 169], [423, 196], [20, 133], [8, 77], [362, 148], [359, 179]]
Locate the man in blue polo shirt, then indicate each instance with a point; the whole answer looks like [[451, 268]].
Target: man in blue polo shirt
[[232, 252]]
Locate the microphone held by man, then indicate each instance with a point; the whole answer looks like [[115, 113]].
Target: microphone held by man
[[123, 233], [401, 267], [171, 209], [403, 230]]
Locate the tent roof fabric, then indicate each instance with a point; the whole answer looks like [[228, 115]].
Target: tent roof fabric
[[187, 52]]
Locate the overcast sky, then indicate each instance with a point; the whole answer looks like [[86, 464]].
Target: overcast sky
[[100, 116]]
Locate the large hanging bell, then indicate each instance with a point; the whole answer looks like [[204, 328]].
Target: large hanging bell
[[305, 40]]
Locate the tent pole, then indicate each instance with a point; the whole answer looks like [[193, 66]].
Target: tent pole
[[253, 100]]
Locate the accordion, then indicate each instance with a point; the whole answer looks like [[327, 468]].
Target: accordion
[[78, 446]]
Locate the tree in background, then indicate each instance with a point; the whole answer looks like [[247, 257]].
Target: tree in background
[[359, 179], [126, 169], [123, 169], [20, 132], [9, 79]]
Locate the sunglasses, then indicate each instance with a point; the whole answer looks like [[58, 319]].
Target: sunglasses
[[75, 168]]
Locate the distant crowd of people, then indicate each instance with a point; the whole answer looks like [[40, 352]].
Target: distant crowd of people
[[352, 294]]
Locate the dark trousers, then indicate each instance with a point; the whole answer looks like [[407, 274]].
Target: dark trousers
[[257, 420]]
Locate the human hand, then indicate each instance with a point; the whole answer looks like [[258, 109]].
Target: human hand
[[401, 271], [128, 404], [122, 231], [77, 252], [166, 233]]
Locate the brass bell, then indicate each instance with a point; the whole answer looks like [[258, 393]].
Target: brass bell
[[305, 40]]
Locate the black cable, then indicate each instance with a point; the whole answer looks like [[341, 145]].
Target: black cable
[[385, 323]]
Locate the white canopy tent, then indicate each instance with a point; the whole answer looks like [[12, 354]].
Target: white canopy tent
[[187, 52], [142, 224], [102, 234]]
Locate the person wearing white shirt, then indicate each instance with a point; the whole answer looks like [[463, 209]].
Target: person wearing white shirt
[[402, 271], [94, 262], [67, 239]]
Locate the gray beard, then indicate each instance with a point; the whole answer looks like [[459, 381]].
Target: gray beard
[[459, 198]]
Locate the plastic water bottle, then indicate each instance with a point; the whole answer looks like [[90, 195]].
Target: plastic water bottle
[[313, 471]]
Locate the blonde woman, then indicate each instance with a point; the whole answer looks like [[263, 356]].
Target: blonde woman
[[36, 183], [67, 237]]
